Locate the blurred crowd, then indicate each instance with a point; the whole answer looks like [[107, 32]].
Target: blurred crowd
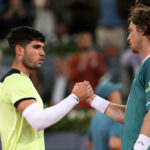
[[99, 30]]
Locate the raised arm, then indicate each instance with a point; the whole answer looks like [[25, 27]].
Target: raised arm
[[42, 118], [114, 111]]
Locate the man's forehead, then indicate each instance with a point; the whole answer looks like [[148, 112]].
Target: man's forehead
[[131, 24], [35, 42]]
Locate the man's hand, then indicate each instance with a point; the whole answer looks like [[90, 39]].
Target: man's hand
[[83, 90], [91, 98]]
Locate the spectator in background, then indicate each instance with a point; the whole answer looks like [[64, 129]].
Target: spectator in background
[[15, 13], [104, 133], [45, 20], [82, 16], [58, 86], [110, 31], [86, 64], [60, 83], [3, 69], [63, 33], [130, 63]]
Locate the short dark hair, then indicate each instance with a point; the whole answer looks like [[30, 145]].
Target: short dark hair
[[23, 35], [144, 2], [140, 16]]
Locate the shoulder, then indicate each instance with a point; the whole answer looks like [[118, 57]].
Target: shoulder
[[145, 67], [14, 79], [146, 63], [9, 74]]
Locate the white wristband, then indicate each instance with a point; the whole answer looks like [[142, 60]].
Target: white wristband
[[100, 104], [75, 97], [142, 143]]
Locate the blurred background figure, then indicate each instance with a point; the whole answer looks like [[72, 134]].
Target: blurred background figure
[[3, 68], [130, 63], [15, 13], [82, 16], [45, 19], [104, 133], [60, 87], [86, 64], [111, 31], [63, 33]]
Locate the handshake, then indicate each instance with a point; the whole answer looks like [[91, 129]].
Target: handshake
[[84, 91]]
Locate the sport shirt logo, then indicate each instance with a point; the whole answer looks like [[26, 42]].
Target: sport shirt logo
[[148, 89]]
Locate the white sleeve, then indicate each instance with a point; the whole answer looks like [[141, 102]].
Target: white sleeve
[[42, 118]]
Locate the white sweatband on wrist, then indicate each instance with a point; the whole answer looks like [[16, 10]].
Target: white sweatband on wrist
[[100, 104], [142, 143], [42, 118]]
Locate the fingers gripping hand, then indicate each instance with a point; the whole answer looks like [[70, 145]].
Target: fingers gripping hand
[[76, 86], [90, 93], [83, 90]]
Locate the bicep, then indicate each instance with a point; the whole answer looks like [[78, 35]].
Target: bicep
[[21, 106]]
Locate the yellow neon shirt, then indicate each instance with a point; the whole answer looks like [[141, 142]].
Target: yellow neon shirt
[[16, 133]]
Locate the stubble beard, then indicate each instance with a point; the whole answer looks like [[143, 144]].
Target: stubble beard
[[135, 51], [28, 66]]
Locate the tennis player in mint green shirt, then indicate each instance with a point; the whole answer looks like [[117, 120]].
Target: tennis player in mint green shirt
[[136, 114], [22, 116]]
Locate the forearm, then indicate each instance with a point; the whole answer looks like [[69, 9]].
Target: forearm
[[146, 125], [116, 112], [40, 119], [113, 111]]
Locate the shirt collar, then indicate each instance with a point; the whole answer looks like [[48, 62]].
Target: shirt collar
[[146, 58]]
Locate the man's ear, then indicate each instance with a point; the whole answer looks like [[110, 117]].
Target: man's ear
[[19, 50], [143, 30]]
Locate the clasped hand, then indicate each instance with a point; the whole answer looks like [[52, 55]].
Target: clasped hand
[[83, 91]]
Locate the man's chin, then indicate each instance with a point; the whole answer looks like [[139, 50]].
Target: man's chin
[[134, 51], [37, 68], [34, 68]]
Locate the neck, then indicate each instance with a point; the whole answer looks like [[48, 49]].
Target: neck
[[144, 54], [21, 68], [145, 50]]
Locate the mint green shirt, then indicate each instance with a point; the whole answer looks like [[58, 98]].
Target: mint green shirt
[[16, 133], [137, 106]]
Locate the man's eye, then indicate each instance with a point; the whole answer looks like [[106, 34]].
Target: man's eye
[[36, 47]]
